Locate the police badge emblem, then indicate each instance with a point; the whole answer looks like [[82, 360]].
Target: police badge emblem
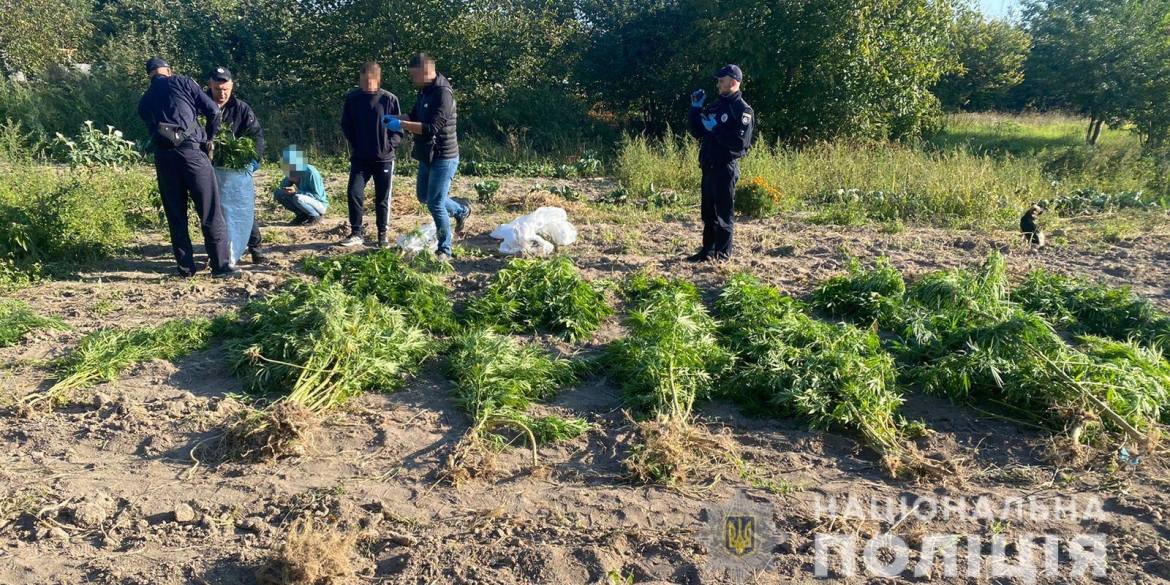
[[739, 537], [747, 119], [724, 118]]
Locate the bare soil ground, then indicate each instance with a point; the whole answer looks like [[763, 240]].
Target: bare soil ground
[[113, 489]]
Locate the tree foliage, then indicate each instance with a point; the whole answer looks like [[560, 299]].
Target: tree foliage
[[991, 56]]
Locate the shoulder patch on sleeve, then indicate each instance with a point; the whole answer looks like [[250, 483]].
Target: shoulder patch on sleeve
[[746, 119]]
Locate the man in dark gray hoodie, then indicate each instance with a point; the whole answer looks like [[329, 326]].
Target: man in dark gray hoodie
[[436, 148], [372, 147]]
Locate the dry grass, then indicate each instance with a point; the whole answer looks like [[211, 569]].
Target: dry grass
[[674, 453], [311, 554], [286, 429]]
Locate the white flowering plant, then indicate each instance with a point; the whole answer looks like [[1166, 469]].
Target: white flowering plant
[[93, 148]]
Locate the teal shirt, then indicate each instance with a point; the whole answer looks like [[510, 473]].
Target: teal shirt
[[310, 185]]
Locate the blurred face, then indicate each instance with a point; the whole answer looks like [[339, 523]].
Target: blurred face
[[370, 82], [221, 91], [422, 76], [160, 72], [726, 86]]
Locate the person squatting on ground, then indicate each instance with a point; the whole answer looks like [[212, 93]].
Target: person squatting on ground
[[436, 148], [372, 147], [239, 119], [182, 162], [302, 191], [725, 131]]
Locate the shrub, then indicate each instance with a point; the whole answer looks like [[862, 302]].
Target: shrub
[[74, 218], [758, 199], [486, 191], [92, 147]]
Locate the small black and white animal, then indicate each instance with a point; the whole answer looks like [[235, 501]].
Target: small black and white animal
[[1032, 233]]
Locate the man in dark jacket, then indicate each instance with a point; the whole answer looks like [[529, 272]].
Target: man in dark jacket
[[239, 119], [372, 148], [725, 129], [182, 161], [436, 148]]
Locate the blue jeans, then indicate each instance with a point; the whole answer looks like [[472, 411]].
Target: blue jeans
[[298, 203], [434, 181]]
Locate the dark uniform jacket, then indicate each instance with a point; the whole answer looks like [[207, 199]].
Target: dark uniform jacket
[[732, 136], [239, 119], [435, 109], [361, 122], [177, 99]]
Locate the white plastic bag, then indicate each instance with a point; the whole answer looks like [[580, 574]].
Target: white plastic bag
[[423, 238], [237, 198], [538, 233]]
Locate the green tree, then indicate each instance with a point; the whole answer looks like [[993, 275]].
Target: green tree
[[25, 42], [991, 57]]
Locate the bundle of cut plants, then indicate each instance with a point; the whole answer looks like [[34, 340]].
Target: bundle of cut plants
[[497, 379], [982, 349], [670, 360], [17, 319], [862, 296], [535, 294], [834, 376], [1083, 307], [234, 153], [315, 346], [105, 353], [409, 285]]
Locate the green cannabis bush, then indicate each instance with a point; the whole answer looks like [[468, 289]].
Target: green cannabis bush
[[540, 295]]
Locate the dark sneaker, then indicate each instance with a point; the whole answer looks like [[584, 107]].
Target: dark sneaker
[[312, 220], [352, 240], [461, 221], [699, 257], [720, 257], [383, 240], [300, 219], [258, 257], [229, 273], [186, 274]]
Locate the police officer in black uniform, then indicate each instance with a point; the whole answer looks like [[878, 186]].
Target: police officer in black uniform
[[239, 119], [182, 161], [725, 129]]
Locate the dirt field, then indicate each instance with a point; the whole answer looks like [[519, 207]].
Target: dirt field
[[107, 490]]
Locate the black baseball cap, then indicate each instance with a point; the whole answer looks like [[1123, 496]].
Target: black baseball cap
[[731, 71], [221, 74], [156, 63]]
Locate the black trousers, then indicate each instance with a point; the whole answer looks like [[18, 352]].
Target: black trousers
[[187, 172], [254, 239], [718, 208], [360, 173]]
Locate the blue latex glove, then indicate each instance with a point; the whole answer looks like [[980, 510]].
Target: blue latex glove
[[698, 98], [394, 124], [709, 122], [253, 166]]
